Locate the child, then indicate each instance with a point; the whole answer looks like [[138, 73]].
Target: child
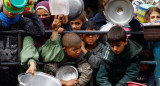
[[72, 48], [146, 74], [121, 59], [31, 45], [31, 24], [91, 48], [76, 24], [151, 16]]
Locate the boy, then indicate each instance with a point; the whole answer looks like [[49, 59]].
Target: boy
[[121, 60], [9, 42], [91, 48]]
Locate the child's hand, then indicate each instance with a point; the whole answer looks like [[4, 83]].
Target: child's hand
[[65, 19], [60, 30], [57, 22], [72, 82], [32, 68], [83, 47]]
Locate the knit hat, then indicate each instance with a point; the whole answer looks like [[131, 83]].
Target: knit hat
[[44, 5]]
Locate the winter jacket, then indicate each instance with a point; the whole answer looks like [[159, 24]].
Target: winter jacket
[[119, 69], [94, 58], [31, 24]]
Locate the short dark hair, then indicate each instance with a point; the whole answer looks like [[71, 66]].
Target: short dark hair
[[89, 24], [71, 39], [116, 34]]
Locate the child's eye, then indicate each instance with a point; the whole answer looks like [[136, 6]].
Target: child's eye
[[71, 23], [77, 23], [45, 15], [158, 16], [118, 45], [152, 17]]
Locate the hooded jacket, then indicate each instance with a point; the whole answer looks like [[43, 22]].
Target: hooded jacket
[[119, 69]]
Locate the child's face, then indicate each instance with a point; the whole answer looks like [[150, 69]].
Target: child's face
[[9, 14], [76, 25], [154, 16], [118, 47], [73, 52], [42, 13], [143, 67], [90, 39]]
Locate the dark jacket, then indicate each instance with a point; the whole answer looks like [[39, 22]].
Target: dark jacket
[[119, 69], [31, 24], [94, 58]]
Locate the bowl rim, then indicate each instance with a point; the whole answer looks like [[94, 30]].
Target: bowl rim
[[39, 73], [57, 73]]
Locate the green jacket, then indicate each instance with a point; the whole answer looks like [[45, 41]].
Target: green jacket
[[48, 51], [119, 69]]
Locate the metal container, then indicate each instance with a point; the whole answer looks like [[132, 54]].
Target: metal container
[[67, 73], [76, 8], [39, 79], [119, 11]]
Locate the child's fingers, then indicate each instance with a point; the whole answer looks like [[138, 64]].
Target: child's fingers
[[55, 17], [60, 17]]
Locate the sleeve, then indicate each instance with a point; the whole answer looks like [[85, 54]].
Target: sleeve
[[132, 72], [102, 76], [33, 25], [29, 53], [85, 71], [94, 60], [52, 50]]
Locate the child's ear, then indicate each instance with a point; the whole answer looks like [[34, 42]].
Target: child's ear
[[98, 36], [126, 42], [81, 36], [64, 49]]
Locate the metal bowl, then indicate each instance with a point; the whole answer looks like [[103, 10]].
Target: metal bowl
[[67, 73], [39, 79], [76, 8], [119, 11]]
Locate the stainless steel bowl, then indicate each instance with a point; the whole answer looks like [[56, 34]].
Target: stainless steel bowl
[[67, 73], [76, 8], [39, 79], [119, 11]]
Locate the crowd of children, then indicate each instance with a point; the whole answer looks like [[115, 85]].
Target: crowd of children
[[100, 62]]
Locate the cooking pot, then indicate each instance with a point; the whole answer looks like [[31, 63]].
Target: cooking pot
[[67, 72], [76, 8], [72, 8], [38, 79]]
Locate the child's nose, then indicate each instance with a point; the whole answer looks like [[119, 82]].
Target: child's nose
[[115, 48]]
